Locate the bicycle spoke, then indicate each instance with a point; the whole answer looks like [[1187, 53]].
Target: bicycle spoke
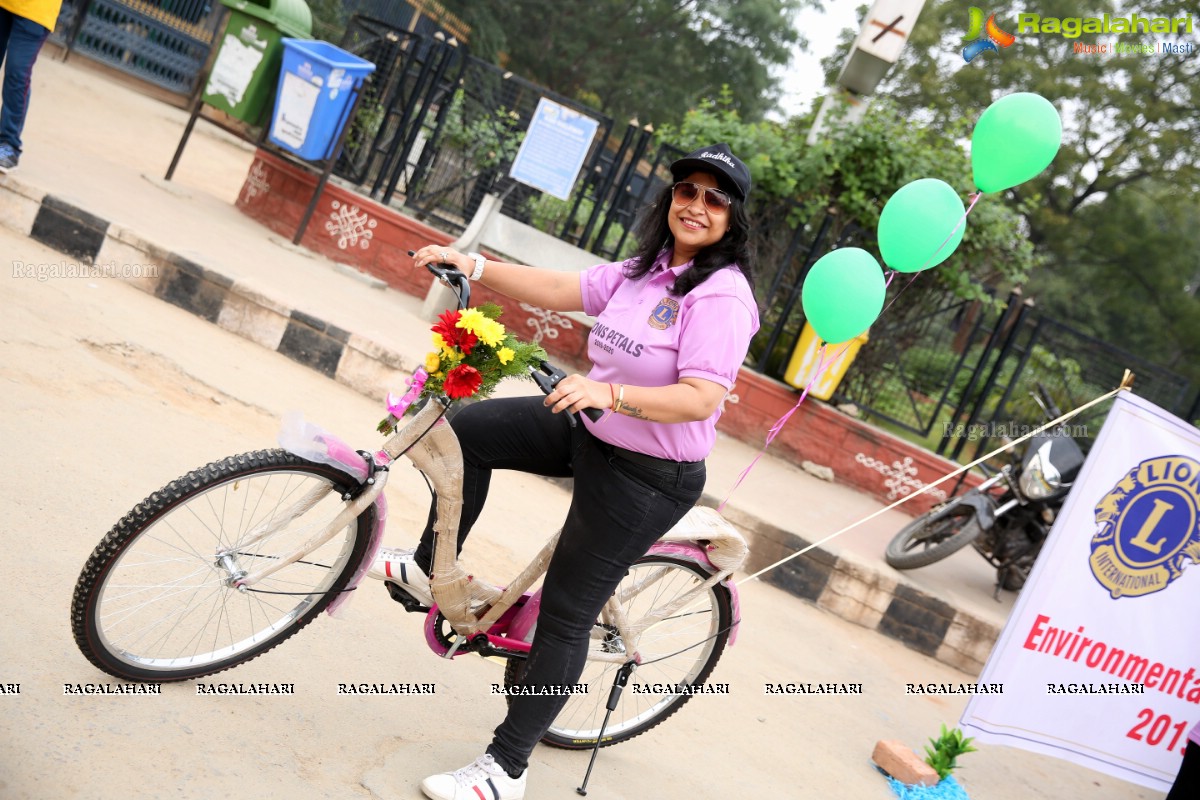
[[166, 602], [681, 640]]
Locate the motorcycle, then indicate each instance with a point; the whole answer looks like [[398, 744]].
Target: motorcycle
[[1007, 517]]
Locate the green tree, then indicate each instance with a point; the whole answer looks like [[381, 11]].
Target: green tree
[[653, 59], [1114, 217], [852, 172]]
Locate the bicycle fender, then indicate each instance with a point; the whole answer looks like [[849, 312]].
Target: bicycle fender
[[524, 623], [700, 556], [368, 558], [312, 442]]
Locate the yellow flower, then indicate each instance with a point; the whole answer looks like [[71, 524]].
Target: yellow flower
[[469, 319], [505, 354], [440, 343], [487, 329], [491, 333], [432, 363]]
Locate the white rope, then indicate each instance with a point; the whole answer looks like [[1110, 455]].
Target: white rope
[[938, 482]]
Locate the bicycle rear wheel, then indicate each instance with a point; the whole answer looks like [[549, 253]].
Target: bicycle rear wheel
[[154, 602], [689, 643]]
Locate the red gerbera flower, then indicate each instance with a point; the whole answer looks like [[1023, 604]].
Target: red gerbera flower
[[446, 322], [454, 336], [462, 381]]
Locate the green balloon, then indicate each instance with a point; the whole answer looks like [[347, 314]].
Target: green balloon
[[1016, 138], [843, 294], [917, 221]]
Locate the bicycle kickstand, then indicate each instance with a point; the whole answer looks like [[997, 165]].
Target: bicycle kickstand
[[614, 696]]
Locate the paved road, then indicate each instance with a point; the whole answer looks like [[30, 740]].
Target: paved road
[[107, 393]]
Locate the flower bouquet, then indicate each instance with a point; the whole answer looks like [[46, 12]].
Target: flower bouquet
[[472, 353]]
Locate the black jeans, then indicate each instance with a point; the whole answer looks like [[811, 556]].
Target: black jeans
[[619, 508]]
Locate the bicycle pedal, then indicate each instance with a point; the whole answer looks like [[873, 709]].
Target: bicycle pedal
[[410, 603]]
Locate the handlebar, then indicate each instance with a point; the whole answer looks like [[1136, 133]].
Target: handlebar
[[454, 279], [546, 376]]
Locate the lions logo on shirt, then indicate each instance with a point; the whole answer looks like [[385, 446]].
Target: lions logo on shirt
[[664, 314], [1148, 527]]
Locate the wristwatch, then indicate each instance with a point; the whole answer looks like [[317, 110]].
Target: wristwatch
[[479, 262]]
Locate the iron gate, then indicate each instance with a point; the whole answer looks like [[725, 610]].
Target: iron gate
[[166, 42]]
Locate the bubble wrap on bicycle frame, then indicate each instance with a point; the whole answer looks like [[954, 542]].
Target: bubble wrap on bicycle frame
[[439, 456], [727, 550]]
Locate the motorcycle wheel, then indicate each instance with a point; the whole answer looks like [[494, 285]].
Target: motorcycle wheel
[[933, 536]]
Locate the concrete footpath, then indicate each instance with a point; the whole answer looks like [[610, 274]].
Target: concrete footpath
[[90, 186]]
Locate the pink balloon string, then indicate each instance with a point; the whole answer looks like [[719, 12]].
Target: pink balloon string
[[822, 364], [779, 423]]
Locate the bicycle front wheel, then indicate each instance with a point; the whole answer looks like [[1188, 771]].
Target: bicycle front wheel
[[156, 600], [680, 651]]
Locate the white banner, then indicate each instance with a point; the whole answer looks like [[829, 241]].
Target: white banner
[[1100, 658]]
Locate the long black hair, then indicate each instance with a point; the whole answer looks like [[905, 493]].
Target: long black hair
[[653, 234]]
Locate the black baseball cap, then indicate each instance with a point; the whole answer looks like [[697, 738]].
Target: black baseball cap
[[718, 159]]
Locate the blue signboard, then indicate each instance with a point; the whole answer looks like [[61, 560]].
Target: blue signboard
[[554, 148]]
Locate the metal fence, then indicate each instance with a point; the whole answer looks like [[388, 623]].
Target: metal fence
[[962, 375], [919, 362], [786, 251], [165, 42], [1073, 368], [438, 129]]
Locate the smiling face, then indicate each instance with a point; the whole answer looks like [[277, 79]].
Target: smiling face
[[694, 225]]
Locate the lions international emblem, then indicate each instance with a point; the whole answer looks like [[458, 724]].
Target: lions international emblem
[[664, 314], [1149, 524]]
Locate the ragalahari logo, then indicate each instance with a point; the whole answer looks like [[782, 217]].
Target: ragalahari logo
[[993, 36]]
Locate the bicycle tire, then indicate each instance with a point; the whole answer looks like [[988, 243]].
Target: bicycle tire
[[137, 626], [578, 724], [901, 551]]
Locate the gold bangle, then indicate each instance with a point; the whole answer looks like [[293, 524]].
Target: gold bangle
[[620, 402]]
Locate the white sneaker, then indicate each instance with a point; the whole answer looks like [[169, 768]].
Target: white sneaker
[[397, 566], [482, 779]]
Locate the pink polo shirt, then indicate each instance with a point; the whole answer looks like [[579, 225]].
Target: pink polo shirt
[[645, 336]]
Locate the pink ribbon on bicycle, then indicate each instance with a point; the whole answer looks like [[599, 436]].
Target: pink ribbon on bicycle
[[397, 406]]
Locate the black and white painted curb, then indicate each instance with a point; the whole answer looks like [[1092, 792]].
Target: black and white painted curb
[[355, 361], [852, 589]]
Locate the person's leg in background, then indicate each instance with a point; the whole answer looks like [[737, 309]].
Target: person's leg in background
[[1187, 782], [20, 42]]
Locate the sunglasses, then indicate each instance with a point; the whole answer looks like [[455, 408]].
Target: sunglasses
[[685, 193]]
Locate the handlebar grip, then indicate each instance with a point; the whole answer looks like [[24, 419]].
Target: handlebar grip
[[456, 280]]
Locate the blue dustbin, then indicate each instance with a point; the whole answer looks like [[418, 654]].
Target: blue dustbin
[[315, 91]]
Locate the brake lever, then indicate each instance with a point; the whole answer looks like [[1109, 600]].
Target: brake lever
[[453, 279], [547, 377]]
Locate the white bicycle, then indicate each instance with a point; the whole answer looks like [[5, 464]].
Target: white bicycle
[[228, 561]]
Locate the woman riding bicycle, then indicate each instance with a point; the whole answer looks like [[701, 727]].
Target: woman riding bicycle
[[673, 324]]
